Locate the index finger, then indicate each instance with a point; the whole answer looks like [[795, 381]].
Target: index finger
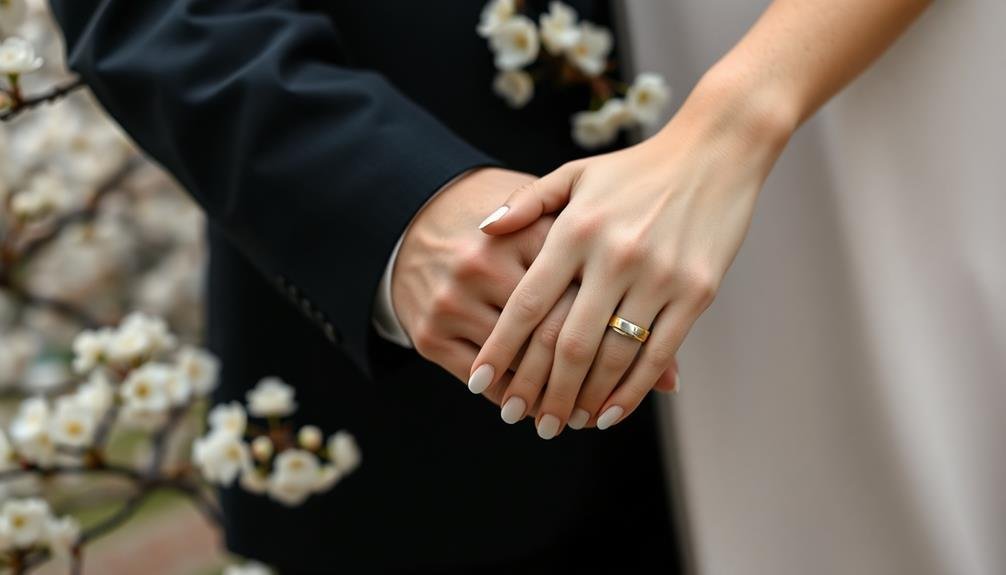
[[537, 293]]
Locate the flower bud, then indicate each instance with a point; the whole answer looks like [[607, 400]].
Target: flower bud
[[310, 437], [262, 448]]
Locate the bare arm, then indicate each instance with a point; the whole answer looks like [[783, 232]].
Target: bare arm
[[652, 229]]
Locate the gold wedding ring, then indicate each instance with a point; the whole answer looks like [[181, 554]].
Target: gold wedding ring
[[628, 329]]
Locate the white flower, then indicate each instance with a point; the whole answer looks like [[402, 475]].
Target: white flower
[[294, 477], [17, 56], [597, 129], [72, 424], [89, 347], [200, 367], [221, 456], [12, 14], [328, 476], [495, 13], [29, 431], [590, 51], [8, 457], [343, 451], [250, 568], [515, 43], [309, 437], [514, 86], [254, 481], [179, 386], [229, 418], [262, 448], [23, 521], [558, 28], [61, 535], [138, 338], [45, 194], [146, 389], [647, 97], [96, 394], [271, 398]]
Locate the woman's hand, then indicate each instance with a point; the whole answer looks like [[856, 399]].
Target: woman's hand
[[649, 233]]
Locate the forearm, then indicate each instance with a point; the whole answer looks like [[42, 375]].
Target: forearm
[[310, 166], [798, 55]]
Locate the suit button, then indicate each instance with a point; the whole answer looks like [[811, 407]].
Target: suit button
[[306, 307], [330, 333], [319, 317]]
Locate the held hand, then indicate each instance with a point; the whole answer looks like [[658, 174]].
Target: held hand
[[450, 281], [651, 230]]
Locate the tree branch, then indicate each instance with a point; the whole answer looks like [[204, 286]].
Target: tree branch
[[22, 104]]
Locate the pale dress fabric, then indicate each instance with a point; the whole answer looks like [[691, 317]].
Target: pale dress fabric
[[844, 400]]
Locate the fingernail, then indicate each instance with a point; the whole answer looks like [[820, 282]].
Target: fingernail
[[578, 419], [677, 383], [548, 427], [609, 417], [513, 410], [495, 216], [481, 379]]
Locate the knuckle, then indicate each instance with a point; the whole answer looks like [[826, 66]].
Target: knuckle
[[660, 357], [665, 279], [615, 359], [702, 288], [583, 228], [425, 338], [444, 302], [525, 384], [626, 254], [470, 262], [527, 306], [573, 347], [547, 334], [559, 398]]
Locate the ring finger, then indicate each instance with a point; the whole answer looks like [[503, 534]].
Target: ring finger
[[614, 357]]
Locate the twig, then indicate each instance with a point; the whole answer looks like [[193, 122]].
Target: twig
[[104, 468], [84, 214], [63, 308], [22, 104]]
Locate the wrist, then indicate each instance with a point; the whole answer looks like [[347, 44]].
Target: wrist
[[731, 102]]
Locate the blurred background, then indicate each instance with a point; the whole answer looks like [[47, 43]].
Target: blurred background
[[115, 234], [842, 404]]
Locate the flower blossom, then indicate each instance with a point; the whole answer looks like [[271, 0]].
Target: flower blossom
[[515, 43], [514, 86]]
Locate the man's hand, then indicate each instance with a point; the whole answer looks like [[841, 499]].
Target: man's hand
[[450, 280]]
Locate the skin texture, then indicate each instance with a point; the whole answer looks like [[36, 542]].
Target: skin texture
[[450, 280], [650, 231]]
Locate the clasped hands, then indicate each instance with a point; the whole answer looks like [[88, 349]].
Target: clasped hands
[[519, 309]]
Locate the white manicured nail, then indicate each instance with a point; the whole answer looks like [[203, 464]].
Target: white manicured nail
[[578, 419], [480, 380], [610, 417], [548, 427], [513, 410], [495, 216]]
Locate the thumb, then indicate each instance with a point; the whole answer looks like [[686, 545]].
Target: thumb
[[531, 201]]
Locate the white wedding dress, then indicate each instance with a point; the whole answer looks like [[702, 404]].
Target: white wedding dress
[[844, 400]]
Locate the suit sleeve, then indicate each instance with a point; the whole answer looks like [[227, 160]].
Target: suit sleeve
[[311, 168]]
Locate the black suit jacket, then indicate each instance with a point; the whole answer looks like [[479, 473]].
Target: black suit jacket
[[311, 132]]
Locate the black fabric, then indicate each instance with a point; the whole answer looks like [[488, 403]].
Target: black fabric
[[311, 132]]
